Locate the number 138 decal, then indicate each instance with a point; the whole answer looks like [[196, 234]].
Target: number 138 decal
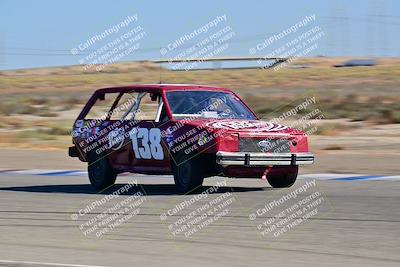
[[150, 147]]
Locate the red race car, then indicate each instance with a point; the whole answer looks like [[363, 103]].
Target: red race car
[[190, 131]]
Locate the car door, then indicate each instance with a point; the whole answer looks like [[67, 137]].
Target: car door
[[144, 150]]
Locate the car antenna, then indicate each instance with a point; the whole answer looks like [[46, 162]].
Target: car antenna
[[160, 68]]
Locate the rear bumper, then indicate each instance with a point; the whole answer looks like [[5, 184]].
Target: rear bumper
[[263, 159]]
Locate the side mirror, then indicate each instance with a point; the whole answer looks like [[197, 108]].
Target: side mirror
[[102, 96], [153, 97]]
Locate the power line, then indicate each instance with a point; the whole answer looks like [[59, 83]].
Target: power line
[[366, 20], [149, 49], [25, 51]]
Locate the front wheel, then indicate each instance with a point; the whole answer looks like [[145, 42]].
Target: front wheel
[[282, 177], [101, 174], [187, 173]]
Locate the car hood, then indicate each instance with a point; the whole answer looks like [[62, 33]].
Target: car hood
[[245, 126]]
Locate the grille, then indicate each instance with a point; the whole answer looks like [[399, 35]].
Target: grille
[[264, 145]]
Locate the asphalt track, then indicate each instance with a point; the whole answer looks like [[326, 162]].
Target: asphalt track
[[357, 223]]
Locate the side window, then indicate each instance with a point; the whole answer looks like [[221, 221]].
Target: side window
[[125, 106], [101, 107], [147, 108], [114, 106]]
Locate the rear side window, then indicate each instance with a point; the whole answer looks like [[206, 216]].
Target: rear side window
[[126, 106], [113, 106]]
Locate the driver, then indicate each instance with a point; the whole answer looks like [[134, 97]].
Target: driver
[[219, 106]]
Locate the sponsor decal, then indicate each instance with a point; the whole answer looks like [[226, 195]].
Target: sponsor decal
[[244, 125], [116, 138], [265, 144], [79, 123]]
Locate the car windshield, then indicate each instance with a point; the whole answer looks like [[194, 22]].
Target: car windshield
[[207, 104]]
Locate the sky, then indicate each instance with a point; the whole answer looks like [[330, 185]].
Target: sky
[[42, 33]]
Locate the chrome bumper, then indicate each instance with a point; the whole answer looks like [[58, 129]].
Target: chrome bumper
[[263, 159]]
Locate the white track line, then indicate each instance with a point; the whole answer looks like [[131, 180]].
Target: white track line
[[48, 263]]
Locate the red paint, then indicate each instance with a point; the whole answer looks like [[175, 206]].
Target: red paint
[[225, 138]]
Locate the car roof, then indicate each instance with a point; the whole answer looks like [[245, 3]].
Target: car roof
[[160, 87]]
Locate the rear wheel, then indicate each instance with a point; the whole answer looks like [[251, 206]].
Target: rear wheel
[[101, 174], [282, 177], [187, 173]]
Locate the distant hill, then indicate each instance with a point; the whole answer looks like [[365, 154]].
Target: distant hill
[[312, 73]]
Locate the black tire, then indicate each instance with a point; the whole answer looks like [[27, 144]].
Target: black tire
[[101, 175], [284, 177], [187, 173]]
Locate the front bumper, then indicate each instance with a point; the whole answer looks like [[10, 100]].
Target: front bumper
[[263, 159]]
